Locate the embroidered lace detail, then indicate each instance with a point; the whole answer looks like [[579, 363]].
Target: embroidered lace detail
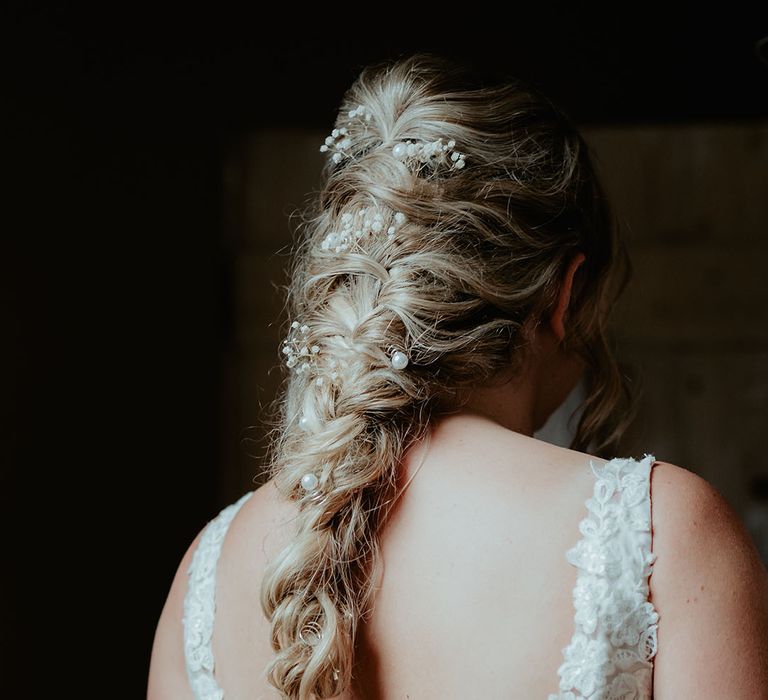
[[200, 605], [610, 656]]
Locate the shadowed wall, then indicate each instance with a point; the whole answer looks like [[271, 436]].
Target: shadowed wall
[[141, 331]]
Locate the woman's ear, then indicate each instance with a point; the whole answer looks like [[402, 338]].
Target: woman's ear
[[557, 317]]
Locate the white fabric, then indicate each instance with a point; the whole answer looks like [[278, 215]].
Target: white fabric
[[610, 656], [200, 604]]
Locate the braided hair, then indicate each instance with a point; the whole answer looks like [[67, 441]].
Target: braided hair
[[448, 213]]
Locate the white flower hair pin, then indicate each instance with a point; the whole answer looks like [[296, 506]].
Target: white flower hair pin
[[413, 153], [339, 142], [433, 153], [295, 347], [359, 225], [302, 357]]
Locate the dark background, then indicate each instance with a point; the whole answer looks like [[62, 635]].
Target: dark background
[[117, 269]]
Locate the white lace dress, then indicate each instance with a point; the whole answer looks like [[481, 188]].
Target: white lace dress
[[609, 657]]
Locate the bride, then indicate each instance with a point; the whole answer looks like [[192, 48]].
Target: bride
[[413, 539]]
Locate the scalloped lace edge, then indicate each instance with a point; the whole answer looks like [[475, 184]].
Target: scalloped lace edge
[[610, 655]]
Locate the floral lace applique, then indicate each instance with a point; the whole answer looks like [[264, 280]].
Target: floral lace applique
[[610, 656], [200, 605]]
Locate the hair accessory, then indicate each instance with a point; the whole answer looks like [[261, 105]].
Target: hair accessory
[[411, 152], [304, 423], [399, 359], [362, 111], [333, 375], [309, 481], [399, 221], [312, 493], [433, 153], [360, 224], [339, 140], [296, 349]]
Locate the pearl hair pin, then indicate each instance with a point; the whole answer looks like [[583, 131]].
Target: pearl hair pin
[[399, 359], [302, 356], [310, 484], [309, 481]]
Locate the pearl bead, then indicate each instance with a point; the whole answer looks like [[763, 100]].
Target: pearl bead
[[304, 423], [309, 481], [400, 150], [399, 360]]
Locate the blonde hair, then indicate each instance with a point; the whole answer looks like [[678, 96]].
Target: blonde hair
[[481, 250]]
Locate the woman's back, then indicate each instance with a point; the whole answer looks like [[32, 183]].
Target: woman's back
[[461, 255], [476, 596], [477, 587]]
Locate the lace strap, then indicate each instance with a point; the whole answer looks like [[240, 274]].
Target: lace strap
[[200, 604], [611, 652]]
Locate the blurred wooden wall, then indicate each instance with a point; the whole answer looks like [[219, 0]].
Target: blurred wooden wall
[[694, 320]]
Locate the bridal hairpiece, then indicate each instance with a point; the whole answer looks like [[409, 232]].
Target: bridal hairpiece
[[302, 358], [356, 225], [295, 347], [433, 153], [411, 152], [339, 140], [360, 224]]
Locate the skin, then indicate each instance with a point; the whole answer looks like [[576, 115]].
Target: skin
[[475, 586], [523, 403]]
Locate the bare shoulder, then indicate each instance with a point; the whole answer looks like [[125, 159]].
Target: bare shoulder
[[261, 529], [690, 515], [672, 484], [710, 589], [263, 526], [264, 518]]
